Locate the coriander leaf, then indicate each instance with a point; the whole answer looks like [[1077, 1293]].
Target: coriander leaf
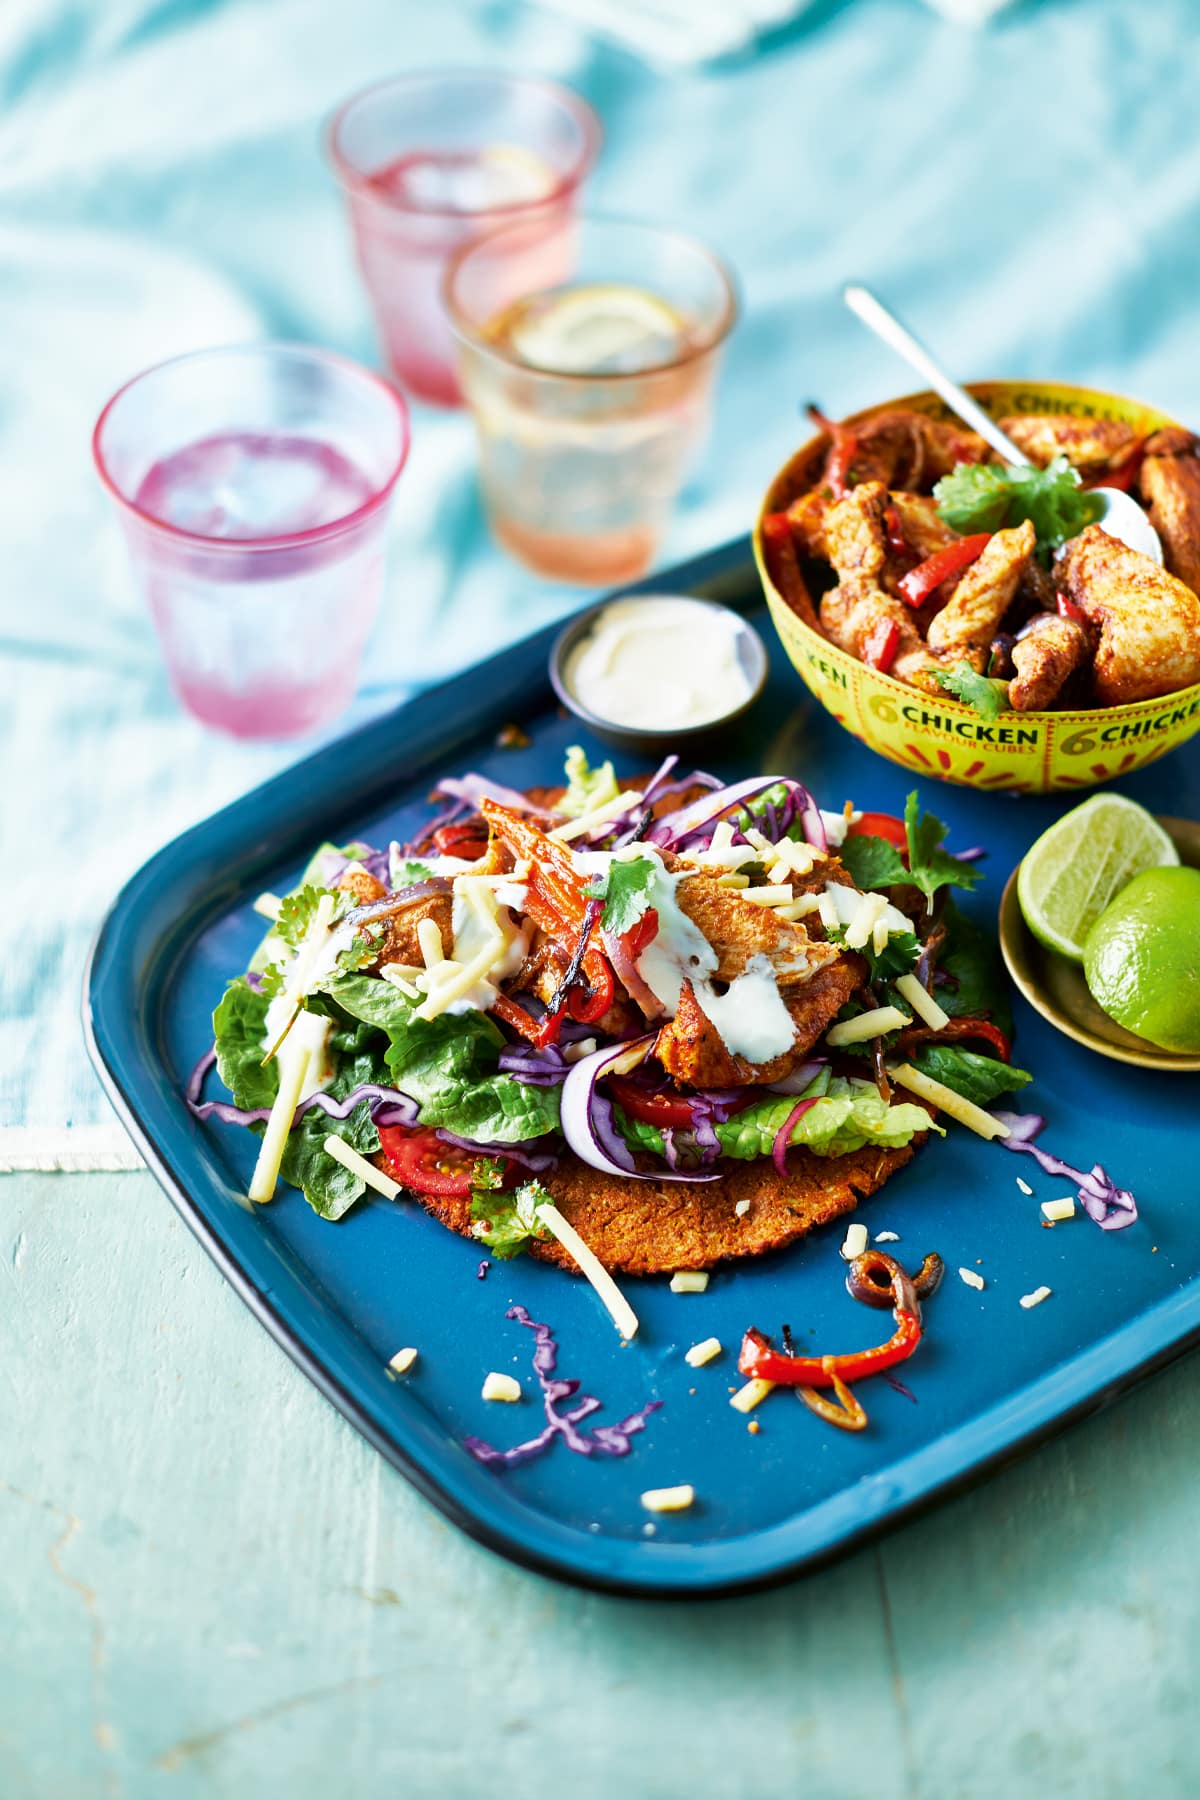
[[625, 889], [239, 1028], [406, 871], [507, 1223], [987, 696], [363, 948], [994, 496], [872, 862], [978, 1078], [929, 866], [272, 980], [898, 957], [297, 911], [587, 788], [970, 956]]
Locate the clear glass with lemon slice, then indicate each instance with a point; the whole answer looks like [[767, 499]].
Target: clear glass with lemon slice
[[590, 383], [429, 163]]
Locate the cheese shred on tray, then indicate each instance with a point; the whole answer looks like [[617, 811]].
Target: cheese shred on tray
[[629, 1026]]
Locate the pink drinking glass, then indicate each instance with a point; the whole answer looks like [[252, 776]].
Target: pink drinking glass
[[431, 162], [252, 484]]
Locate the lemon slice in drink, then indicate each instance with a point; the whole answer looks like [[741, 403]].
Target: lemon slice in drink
[[514, 174], [1073, 870], [603, 328]]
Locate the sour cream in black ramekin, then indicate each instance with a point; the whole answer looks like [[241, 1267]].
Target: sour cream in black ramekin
[[658, 666]]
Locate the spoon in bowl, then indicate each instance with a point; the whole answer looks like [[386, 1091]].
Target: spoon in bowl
[[1121, 516]]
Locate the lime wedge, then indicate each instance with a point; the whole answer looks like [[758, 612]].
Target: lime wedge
[[1072, 872], [599, 329]]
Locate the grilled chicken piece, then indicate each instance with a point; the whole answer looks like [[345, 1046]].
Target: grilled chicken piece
[[906, 449], [1092, 446], [921, 523], [738, 930], [399, 943], [807, 516], [691, 1049], [1048, 650], [984, 593], [1170, 487], [1148, 620]]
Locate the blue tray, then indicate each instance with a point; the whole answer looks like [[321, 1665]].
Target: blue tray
[[989, 1380]]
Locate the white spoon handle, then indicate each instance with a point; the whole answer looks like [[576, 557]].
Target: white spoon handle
[[885, 325]]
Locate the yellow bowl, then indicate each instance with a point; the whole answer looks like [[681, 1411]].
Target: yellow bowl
[[1033, 752]]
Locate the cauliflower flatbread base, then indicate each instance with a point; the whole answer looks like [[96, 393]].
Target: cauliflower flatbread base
[[658, 1227]]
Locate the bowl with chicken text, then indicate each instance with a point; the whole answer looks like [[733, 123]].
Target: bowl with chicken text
[[973, 621]]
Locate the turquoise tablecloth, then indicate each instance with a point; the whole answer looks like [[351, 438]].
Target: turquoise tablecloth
[[1028, 195]]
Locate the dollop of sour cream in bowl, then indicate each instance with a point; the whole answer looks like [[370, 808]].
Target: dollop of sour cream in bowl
[[658, 665]]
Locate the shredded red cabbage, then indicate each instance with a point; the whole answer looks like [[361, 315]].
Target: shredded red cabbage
[[537, 1068], [1111, 1207], [375, 862], [536, 1161], [601, 1440], [474, 788], [481, 1271], [389, 1105], [692, 826]]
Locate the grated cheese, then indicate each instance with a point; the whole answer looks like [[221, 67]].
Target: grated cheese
[[972, 1277], [672, 1499], [750, 1396], [583, 824], [619, 1309], [1054, 1210], [1036, 1298], [358, 1165], [402, 1362], [621, 1065], [702, 1353], [733, 880], [1024, 1186], [827, 907], [267, 906], [770, 895], [741, 1209], [722, 838], [688, 1282], [868, 913], [397, 972], [887, 1237], [799, 909], [761, 843], [855, 1241], [965, 1111], [501, 1387], [866, 1025], [922, 1002], [429, 937]]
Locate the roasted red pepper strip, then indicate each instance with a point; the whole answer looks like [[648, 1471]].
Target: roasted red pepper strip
[[517, 1017], [759, 1359], [896, 540], [554, 889], [639, 937], [587, 1008], [881, 644], [1124, 475], [467, 841], [920, 582], [1068, 610], [843, 447], [983, 1029]]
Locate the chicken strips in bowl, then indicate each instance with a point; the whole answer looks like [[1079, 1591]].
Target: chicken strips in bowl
[[973, 620]]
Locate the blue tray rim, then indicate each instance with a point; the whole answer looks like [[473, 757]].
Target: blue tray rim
[[1002, 1434]]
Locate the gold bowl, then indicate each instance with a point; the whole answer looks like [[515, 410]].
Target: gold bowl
[[1055, 987], [1031, 752]]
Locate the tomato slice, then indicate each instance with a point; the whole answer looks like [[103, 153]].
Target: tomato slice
[[667, 1108], [883, 825], [421, 1160]]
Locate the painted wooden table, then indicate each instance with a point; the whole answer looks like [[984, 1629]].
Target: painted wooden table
[[209, 1586]]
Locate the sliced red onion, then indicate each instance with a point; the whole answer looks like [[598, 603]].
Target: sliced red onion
[[397, 902], [536, 1161], [1110, 1207], [625, 970], [603, 1440], [588, 1124], [779, 1148], [474, 788], [800, 1078], [974, 854]]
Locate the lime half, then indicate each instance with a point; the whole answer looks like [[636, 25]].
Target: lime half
[[601, 328], [1142, 958], [1081, 864]]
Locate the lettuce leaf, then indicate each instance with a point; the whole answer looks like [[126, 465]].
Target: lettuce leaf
[[848, 1115], [978, 1078], [587, 788], [971, 956], [330, 1189], [448, 1065], [239, 1028]]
